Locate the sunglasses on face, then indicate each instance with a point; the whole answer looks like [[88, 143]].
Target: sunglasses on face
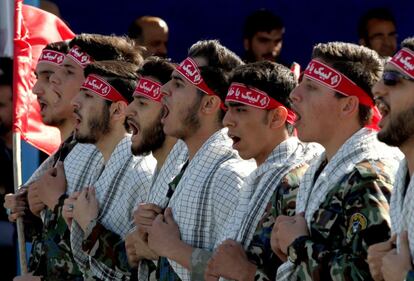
[[391, 78]]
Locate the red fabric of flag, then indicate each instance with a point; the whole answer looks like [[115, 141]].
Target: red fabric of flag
[[33, 29]]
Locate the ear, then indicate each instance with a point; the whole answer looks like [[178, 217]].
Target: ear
[[277, 117], [246, 44], [349, 106], [118, 110], [210, 104]]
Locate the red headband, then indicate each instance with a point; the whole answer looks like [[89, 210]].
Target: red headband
[[404, 60], [189, 69], [81, 58], [149, 89], [240, 93], [102, 88], [338, 82], [51, 56]]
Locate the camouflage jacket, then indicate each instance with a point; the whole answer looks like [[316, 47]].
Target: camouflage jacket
[[353, 216], [51, 255], [105, 246], [282, 202]]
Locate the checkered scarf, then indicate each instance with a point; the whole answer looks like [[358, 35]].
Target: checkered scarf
[[171, 167], [207, 194], [402, 207], [363, 145], [260, 186], [123, 183]]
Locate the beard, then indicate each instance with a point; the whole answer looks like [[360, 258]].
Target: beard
[[191, 121], [152, 138], [399, 129], [98, 126]]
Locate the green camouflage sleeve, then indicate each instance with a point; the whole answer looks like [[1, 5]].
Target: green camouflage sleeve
[[106, 247], [354, 216]]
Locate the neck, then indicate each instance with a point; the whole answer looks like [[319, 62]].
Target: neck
[[66, 129], [107, 143], [340, 136], [274, 140], [8, 139], [408, 149], [162, 153], [195, 141]]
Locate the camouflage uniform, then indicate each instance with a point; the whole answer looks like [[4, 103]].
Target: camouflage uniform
[[353, 216], [283, 202], [51, 255], [105, 246]]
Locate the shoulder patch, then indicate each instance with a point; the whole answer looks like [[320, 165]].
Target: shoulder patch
[[357, 223]]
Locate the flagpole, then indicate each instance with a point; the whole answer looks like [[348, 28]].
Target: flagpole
[[17, 163], [17, 173]]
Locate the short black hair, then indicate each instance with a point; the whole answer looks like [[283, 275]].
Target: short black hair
[[360, 64], [60, 46], [261, 21], [108, 47], [220, 62], [159, 68], [6, 71], [376, 13], [274, 79], [119, 74]]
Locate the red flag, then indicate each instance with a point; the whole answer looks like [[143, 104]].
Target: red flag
[[34, 28]]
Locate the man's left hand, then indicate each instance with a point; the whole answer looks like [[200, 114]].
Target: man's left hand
[[287, 229], [230, 261], [85, 208], [395, 266]]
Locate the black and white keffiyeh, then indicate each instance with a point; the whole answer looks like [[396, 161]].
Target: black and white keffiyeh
[[362, 146], [261, 184], [207, 194], [171, 167], [402, 205], [121, 184]]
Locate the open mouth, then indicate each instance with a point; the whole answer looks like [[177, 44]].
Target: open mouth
[[165, 113], [234, 138], [42, 105], [383, 108], [77, 117], [133, 127]]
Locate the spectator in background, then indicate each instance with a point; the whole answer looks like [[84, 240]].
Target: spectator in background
[[377, 30], [7, 246], [263, 36], [152, 33]]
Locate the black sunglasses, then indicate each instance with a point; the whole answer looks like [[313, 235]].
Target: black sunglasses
[[391, 78]]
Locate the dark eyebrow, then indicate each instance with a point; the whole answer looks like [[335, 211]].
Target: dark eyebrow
[[68, 65], [235, 104], [177, 77], [43, 72]]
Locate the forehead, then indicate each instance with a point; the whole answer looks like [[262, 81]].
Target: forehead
[[154, 30], [273, 34], [46, 67], [380, 26], [70, 63]]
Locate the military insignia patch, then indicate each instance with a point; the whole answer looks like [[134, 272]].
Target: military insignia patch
[[357, 223]]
